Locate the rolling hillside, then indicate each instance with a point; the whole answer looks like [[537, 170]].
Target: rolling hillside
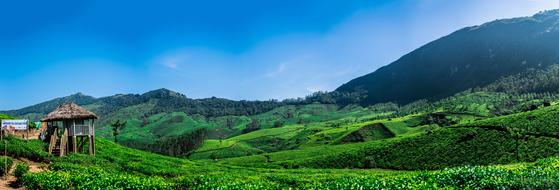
[[117, 167], [522, 137]]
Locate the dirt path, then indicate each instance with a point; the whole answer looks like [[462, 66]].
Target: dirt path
[[34, 167]]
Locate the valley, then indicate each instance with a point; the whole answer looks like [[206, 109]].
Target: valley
[[477, 109]]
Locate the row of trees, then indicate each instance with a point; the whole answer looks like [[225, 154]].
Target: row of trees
[[535, 81], [335, 97], [180, 145]]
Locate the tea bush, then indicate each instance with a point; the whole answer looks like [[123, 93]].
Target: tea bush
[[92, 179], [21, 169], [30, 149], [5, 165]]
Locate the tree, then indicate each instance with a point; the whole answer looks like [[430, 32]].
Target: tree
[[116, 128], [229, 123], [278, 124], [252, 126], [180, 145]]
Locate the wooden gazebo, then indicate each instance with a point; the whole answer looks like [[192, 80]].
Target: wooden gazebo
[[69, 128]]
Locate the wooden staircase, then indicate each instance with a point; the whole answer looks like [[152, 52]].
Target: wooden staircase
[[57, 146], [56, 149]]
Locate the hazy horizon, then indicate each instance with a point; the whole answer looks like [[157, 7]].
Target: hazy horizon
[[244, 50]]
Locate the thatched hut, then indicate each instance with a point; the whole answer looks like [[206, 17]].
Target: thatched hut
[[69, 128]]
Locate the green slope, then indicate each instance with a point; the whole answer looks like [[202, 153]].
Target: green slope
[[317, 134], [520, 137], [117, 167], [143, 128]]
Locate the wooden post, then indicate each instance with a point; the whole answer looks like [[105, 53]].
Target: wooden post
[[5, 152], [93, 145], [92, 139], [90, 145], [74, 145]]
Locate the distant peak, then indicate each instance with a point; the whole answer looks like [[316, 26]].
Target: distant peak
[[548, 12], [79, 94], [163, 92], [543, 15]]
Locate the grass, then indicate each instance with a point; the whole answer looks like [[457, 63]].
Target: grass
[[298, 136], [117, 167], [143, 129]]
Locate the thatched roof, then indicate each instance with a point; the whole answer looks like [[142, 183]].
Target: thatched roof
[[69, 111]]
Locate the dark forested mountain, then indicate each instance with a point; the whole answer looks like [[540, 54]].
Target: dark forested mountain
[[48, 106], [164, 101], [468, 58]]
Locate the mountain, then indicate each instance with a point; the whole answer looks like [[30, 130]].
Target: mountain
[[36, 111], [468, 58], [161, 100]]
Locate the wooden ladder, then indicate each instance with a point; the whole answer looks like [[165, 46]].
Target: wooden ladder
[[57, 146]]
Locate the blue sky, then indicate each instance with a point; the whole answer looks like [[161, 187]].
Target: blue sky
[[245, 49]]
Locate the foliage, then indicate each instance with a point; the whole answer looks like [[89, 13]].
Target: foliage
[[21, 169], [252, 126], [6, 165], [179, 145], [92, 179], [117, 167], [30, 149], [531, 81], [116, 126], [4, 116]]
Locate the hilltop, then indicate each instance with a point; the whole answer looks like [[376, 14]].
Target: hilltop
[[162, 100]]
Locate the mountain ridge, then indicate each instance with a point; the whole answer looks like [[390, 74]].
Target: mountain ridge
[[166, 101], [468, 58]]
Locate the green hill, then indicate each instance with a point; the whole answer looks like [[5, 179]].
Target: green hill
[[522, 137], [117, 167], [159, 101], [5, 116]]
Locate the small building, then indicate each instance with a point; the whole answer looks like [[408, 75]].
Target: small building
[[69, 128]]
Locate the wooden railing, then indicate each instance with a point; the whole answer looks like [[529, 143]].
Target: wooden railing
[[53, 139], [81, 130], [63, 142]]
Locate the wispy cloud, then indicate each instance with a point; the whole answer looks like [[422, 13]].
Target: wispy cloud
[[172, 64], [173, 61], [280, 69]]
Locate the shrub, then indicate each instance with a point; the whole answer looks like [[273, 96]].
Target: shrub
[[91, 179], [21, 169], [6, 164], [30, 149]]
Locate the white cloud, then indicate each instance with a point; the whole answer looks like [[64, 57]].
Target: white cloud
[[173, 60]]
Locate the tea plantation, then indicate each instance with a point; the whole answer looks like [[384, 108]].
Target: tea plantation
[[117, 167], [475, 155]]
